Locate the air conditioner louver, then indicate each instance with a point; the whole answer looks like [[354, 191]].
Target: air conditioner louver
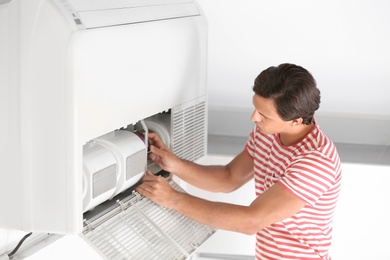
[[139, 229], [189, 136]]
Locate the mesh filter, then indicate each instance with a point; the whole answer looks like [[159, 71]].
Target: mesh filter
[[104, 180], [145, 230]]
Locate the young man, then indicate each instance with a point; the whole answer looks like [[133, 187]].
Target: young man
[[295, 166]]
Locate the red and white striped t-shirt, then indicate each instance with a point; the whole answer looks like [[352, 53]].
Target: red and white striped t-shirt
[[309, 169]]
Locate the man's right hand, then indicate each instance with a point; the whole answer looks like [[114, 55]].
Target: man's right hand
[[161, 154]]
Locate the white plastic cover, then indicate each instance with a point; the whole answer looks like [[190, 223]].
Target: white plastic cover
[[61, 87], [144, 230], [103, 13]]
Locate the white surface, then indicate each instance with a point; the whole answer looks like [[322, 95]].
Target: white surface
[[361, 222], [173, 51], [114, 17], [66, 248], [343, 43], [87, 5]]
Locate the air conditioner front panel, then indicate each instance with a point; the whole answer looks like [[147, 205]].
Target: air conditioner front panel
[[157, 63]]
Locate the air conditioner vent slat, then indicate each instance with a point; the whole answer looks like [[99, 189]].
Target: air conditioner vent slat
[[144, 230], [189, 131]]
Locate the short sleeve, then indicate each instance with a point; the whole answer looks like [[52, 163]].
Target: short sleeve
[[250, 145], [309, 178]]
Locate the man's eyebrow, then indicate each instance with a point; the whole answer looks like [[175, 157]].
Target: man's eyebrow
[[263, 114]]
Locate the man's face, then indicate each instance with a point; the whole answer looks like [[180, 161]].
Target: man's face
[[265, 116]]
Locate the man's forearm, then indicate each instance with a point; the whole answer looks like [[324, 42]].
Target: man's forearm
[[216, 214]]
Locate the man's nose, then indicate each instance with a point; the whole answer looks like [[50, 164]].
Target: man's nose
[[255, 116]]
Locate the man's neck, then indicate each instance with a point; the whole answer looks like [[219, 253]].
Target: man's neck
[[296, 134]]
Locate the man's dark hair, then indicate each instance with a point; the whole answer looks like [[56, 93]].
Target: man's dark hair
[[293, 89]]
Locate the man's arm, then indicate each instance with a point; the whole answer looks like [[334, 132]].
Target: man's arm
[[274, 205], [221, 178]]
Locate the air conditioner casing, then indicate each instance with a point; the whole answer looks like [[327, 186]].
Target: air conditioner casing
[[73, 71]]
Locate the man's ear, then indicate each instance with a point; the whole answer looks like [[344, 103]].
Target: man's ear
[[296, 122]]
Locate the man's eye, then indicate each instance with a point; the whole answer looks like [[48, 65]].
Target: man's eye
[[261, 115]]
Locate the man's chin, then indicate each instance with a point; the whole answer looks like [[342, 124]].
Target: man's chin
[[263, 131]]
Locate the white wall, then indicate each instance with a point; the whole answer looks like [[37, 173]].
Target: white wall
[[343, 43], [361, 219]]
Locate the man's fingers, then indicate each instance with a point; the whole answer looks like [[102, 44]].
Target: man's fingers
[[155, 140], [156, 150]]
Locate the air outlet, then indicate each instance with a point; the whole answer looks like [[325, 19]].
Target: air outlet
[[189, 130]]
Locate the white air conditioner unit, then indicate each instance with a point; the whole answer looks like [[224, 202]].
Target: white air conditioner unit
[[77, 77]]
